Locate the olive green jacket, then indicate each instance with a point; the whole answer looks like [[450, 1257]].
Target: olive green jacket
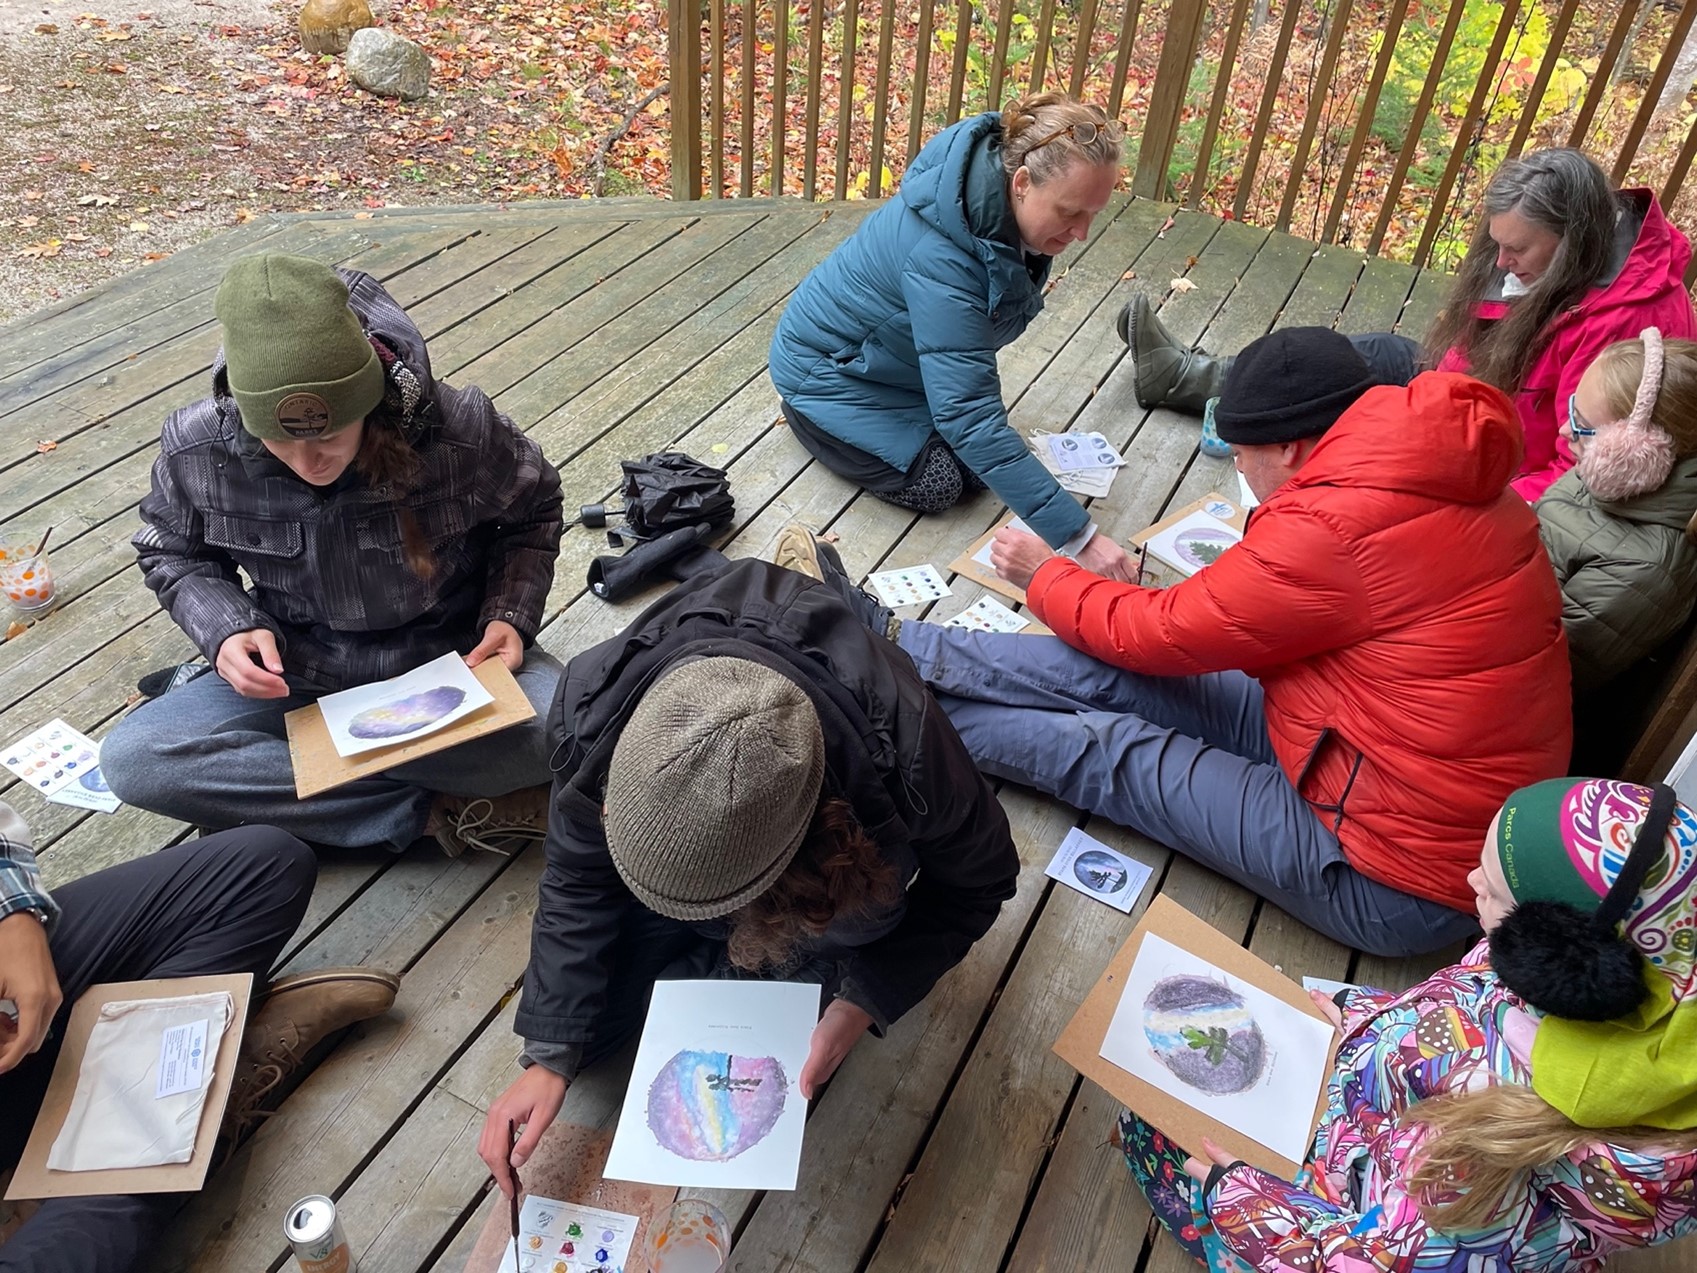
[[1628, 570]]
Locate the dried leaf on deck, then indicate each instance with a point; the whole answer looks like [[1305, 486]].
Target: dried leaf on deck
[[1165, 226], [16, 629], [1128, 276], [1183, 285], [46, 445]]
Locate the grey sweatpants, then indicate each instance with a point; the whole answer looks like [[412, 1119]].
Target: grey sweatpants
[[1185, 760]]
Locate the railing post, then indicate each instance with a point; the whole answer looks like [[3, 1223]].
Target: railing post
[[683, 49], [1166, 100]]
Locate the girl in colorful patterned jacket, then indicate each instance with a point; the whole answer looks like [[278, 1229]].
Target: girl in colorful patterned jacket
[[1530, 1109]]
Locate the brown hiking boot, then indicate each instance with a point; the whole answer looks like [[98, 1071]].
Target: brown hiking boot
[[498, 824], [295, 1015]]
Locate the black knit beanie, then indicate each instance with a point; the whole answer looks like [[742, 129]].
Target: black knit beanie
[[1291, 385]]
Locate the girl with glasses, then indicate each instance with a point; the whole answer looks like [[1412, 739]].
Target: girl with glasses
[[886, 355]]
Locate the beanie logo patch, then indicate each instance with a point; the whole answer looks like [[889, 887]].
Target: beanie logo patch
[[303, 415]]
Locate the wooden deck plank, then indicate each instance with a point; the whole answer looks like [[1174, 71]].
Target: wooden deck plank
[[1425, 299], [1378, 298], [1326, 285]]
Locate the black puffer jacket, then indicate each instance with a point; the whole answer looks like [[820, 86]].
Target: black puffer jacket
[[890, 752]]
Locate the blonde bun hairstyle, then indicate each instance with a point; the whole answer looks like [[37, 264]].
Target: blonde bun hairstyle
[[1034, 136]]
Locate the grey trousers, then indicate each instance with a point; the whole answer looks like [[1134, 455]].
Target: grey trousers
[[202, 753], [1185, 760], [223, 904]]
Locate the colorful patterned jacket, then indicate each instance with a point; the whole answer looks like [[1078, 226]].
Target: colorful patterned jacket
[[1456, 1031]]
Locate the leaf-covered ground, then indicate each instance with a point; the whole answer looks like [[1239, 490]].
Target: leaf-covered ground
[[131, 132]]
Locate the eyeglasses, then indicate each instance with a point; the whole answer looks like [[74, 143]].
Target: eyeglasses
[[1085, 133], [1577, 424]]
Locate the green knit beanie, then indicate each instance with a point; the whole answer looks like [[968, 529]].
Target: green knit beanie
[[712, 786], [1530, 837], [295, 356]]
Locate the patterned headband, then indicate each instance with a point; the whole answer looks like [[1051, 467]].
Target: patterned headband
[[1651, 384]]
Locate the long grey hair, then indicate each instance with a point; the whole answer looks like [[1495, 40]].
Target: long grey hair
[[1562, 190]]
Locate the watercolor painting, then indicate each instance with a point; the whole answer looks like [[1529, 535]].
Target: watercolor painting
[[406, 715], [1220, 1045], [1195, 541], [1100, 872], [403, 708], [711, 1106], [713, 1100], [1203, 1031]]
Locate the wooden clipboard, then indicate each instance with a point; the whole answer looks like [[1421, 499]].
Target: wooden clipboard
[[33, 1179], [319, 768], [967, 568], [1080, 1044], [1157, 573]]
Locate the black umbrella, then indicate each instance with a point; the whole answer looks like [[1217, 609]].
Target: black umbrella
[[666, 491]]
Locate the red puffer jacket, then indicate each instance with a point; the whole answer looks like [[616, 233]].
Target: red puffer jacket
[[1399, 611], [1644, 286]]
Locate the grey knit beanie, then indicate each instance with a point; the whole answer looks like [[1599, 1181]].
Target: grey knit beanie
[[712, 786]]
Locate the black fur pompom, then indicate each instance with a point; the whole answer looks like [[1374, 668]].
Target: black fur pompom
[[1553, 956]]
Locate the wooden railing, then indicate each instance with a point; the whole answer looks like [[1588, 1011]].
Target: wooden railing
[[1365, 122]]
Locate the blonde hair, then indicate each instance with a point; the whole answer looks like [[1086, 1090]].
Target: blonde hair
[[1040, 118], [1620, 367], [1484, 1143]]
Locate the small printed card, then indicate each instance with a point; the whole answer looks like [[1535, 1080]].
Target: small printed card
[[564, 1237], [1327, 986], [1086, 864], [989, 615], [182, 1059], [62, 765], [1082, 451], [909, 586]]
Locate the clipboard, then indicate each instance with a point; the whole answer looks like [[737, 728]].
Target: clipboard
[[33, 1179], [967, 568], [1157, 573], [1080, 1044], [319, 768]]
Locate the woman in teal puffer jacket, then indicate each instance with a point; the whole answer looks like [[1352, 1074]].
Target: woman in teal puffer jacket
[[886, 355], [1618, 527]]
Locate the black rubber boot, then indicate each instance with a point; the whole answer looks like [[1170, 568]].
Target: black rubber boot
[[1168, 374]]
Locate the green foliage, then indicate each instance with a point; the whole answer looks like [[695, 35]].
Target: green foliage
[[1214, 1043]]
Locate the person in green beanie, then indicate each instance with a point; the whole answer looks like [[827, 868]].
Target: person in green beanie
[[381, 519], [1533, 1107]]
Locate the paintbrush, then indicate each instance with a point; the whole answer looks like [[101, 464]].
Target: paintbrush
[[41, 545], [1142, 559], [513, 1202]]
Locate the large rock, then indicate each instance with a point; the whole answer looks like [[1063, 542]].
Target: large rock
[[387, 64], [326, 26]]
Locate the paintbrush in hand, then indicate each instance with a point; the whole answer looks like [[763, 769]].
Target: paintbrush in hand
[[513, 1202]]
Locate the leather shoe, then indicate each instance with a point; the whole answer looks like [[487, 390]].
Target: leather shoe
[[296, 1013]]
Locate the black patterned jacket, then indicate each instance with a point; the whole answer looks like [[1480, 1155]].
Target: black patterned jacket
[[326, 566]]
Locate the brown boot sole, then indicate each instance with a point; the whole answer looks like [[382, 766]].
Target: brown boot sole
[[322, 976]]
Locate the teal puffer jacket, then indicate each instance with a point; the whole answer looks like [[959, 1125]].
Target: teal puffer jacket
[[892, 340], [1628, 570]]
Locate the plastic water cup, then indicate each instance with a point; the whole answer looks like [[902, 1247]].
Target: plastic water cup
[[25, 576], [692, 1237]]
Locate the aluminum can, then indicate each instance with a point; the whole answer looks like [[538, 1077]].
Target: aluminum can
[[314, 1232]]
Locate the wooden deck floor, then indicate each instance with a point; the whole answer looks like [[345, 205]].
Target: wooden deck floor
[[606, 331]]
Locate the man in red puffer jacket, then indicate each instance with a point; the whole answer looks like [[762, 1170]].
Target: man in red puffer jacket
[[1332, 712]]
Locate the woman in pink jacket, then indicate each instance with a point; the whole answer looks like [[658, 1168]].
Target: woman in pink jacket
[[1560, 268]]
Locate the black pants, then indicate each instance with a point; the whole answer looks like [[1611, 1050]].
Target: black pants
[[937, 479], [223, 904], [1394, 359]]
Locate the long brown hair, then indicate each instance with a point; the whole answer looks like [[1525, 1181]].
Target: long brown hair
[[386, 458], [1561, 190], [837, 871], [1484, 1143]]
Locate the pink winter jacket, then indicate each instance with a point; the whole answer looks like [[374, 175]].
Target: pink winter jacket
[[1647, 290]]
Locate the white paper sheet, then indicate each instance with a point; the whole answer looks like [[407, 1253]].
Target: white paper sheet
[[1081, 451], [1193, 542], [1327, 986], [908, 586], [63, 765], [1086, 864], [714, 1097], [1220, 1045], [982, 556], [411, 705], [564, 1237], [989, 615]]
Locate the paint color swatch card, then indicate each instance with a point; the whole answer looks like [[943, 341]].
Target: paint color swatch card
[[989, 615], [63, 765], [404, 707], [1194, 542], [563, 1237], [1086, 864], [1220, 1045], [910, 586], [714, 1098]]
